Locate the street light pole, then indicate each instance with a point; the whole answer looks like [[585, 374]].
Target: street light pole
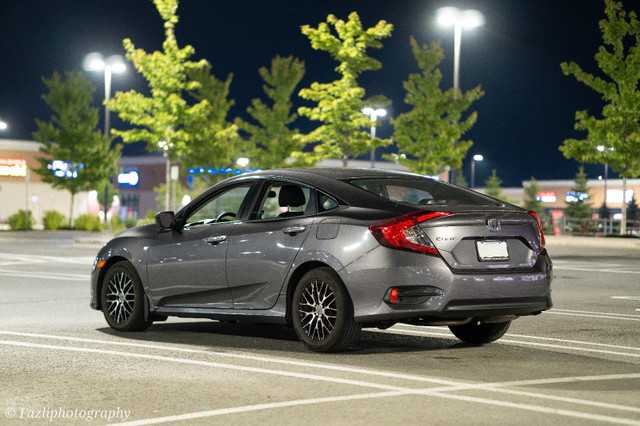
[[113, 64], [373, 115], [452, 16], [475, 158], [603, 149]]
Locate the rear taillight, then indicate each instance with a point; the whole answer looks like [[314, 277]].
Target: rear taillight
[[541, 235], [404, 232]]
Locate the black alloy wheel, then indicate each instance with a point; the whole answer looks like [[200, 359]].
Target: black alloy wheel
[[123, 298], [323, 312]]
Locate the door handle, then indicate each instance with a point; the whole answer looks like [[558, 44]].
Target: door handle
[[294, 229], [215, 240]]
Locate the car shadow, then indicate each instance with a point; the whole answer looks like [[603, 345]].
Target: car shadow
[[212, 335]]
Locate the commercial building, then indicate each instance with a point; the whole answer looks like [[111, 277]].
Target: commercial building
[[22, 189]]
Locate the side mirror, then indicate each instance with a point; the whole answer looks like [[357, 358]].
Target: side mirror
[[164, 219]]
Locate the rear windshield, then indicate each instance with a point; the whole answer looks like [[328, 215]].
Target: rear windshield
[[421, 192]]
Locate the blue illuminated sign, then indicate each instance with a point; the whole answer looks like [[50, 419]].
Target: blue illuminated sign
[[129, 178]]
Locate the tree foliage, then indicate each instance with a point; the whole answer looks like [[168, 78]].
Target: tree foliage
[[339, 103], [214, 139], [582, 207], [429, 134], [532, 203], [492, 185], [271, 141], [166, 115], [618, 126], [71, 136]]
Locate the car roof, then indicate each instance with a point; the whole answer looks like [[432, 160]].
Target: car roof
[[340, 173]]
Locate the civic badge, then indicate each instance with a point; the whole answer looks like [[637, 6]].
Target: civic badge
[[494, 225]]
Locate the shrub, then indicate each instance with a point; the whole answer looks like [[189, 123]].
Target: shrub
[[87, 222], [54, 220], [130, 222], [21, 220]]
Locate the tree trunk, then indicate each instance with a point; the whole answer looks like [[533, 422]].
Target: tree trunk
[[623, 224], [71, 210]]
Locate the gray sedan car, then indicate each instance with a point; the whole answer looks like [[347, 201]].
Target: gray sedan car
[[329, 251]]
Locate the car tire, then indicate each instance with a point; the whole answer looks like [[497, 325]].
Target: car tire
[[123, 298], [478, 333], [323, 312]]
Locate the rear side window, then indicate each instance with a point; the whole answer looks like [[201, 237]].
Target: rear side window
[[283, 200], [421, 192]]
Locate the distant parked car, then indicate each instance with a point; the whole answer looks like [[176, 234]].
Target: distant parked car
[[330, 251]]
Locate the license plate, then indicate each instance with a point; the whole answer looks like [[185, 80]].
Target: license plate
[[492, 250]]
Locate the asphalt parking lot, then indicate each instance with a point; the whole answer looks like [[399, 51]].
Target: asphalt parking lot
[[578, 363]]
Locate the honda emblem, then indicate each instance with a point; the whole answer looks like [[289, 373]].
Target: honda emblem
[[494, 225]]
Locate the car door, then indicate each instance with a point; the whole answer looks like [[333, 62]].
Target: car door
[[262, 249], [186, 266]]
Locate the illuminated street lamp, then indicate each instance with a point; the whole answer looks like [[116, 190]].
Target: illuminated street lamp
[[165, 147], [373, 115], [602, 148], [242, 162], [95, 62], [113, 64], [475, 158], [467, 19], [3, 125]]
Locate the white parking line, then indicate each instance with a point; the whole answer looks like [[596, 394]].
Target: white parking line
[[590, 268], [44, 275], [605, 349], [24, 259], [442, 392], [589, 314]]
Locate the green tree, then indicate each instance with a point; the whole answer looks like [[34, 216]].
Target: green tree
[[532, 203], [462, 181], [71, 136], [165, 115], [492, 185], [214, 138], [633, 213], [618, 128], [429, 134], [604, 212], [339, 104], [582, 207], [271, 140]]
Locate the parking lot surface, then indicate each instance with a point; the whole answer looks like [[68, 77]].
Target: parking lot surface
[[578, 363]]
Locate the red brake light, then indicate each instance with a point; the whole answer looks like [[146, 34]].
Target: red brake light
[[537, 218], [393, 297], [404, 233]]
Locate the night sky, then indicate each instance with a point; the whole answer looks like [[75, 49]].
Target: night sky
[[527, 111]]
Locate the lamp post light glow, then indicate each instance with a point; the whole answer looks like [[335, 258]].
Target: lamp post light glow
[[373, 115], [475, 158], [602, 148], [467, 19], [113, 64], [95, 62], [3, 125]]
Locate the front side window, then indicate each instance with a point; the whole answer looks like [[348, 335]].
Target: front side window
[[421, 192], [223, 207]]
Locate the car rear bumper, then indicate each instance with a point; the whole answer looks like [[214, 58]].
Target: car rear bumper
[[443, 293]]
